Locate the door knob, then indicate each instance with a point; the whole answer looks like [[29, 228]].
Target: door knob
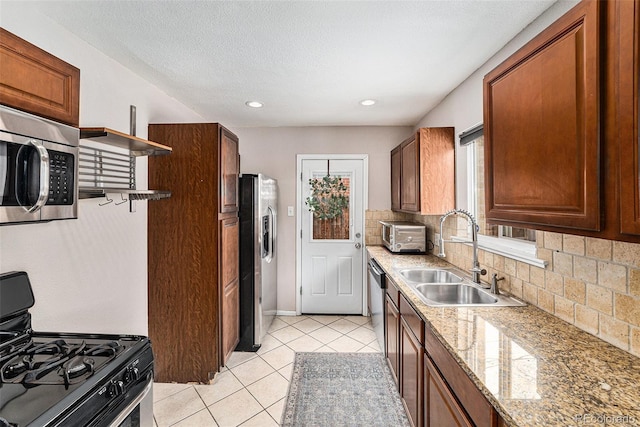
[[358, 245]]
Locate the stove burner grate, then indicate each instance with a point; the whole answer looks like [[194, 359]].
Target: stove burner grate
[[55, 362]]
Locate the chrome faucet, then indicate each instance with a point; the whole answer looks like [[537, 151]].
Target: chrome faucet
[[475, 270], [494, 284]]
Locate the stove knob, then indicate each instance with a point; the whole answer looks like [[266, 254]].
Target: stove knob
[[116, 389], [131, 374], [127, 377]]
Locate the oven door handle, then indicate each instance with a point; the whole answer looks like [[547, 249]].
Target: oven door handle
[[44, 176], [131, 406]]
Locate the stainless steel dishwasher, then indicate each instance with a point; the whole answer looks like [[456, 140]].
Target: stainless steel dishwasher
[[377, 284]]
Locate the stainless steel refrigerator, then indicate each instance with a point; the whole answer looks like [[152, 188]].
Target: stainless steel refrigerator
[[258, 272]]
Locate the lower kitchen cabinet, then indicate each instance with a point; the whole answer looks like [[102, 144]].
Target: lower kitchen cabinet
[[462, 390], [441, 409], [435, 390], [412, 355], [411, 361], [392, 322]]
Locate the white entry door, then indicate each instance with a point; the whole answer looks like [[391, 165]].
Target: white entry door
[[332, 236]]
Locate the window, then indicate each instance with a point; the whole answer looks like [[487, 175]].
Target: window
[[331, 206], [512, 242]]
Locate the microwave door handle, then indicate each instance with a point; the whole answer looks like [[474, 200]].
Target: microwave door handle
[[44, 176]]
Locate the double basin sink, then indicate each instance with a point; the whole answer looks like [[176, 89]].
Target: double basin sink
[[442, 287]]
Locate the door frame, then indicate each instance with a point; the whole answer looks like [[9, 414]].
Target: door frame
[[365, 206]]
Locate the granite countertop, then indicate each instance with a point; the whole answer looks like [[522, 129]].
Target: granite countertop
[[534, 368]]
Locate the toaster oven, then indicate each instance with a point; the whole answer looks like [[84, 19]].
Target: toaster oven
[[404, 236]]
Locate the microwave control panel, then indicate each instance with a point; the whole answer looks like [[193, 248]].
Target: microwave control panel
[[61, 178]]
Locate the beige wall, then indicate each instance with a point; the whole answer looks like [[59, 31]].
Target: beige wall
[[273, 151]]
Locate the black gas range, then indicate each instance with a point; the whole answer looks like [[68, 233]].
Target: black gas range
[[67, 379]]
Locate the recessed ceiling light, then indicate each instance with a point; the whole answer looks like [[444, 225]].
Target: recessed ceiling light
[[368, 102], [253, 104]]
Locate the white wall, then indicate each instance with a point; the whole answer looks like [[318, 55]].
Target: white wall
[[462, 108], [273, 151], [89, 274]]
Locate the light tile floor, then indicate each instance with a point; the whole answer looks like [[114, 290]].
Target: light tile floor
[[251, 389]]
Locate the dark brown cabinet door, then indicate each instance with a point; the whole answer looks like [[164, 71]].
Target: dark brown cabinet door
[[229, 283], [193, 258], [441, 409], [229, 171], [541, 118], [410, 177], [423, 172], [396, 177], [437, 170], [392, 328], [628, 13], [411, 366], [183, 263]]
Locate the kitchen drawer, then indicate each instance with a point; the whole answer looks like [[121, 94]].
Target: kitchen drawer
[[414, 322], [393, 291], [470, 397]]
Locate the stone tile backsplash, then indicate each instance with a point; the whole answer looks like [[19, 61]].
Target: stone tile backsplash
[[591, 283]]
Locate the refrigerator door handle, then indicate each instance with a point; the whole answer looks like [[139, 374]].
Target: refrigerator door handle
[[272, 232], [268, 235]]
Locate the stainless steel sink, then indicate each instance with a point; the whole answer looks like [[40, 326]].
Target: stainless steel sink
[[456, 294], [465, 294], [449, 287], [429, 275]]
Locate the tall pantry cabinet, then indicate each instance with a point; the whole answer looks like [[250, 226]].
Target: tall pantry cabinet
[[193, 251]]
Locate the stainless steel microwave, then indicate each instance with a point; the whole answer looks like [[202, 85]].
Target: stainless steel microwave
[[38, 168], [404, 236]]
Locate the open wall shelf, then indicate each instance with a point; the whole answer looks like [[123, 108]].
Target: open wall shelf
[[103, 171]]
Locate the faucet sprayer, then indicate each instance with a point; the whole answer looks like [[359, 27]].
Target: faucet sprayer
[[476, 270]]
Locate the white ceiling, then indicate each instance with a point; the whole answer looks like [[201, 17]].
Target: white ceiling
[[309, 62]]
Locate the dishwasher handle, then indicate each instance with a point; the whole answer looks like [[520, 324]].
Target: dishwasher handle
[[377, 272]]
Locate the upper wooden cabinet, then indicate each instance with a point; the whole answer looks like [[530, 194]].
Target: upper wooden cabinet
[[396, 183], [423, 172], [541, 124], [561, 126], [229, 171], [35, 81], [627, 88]]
